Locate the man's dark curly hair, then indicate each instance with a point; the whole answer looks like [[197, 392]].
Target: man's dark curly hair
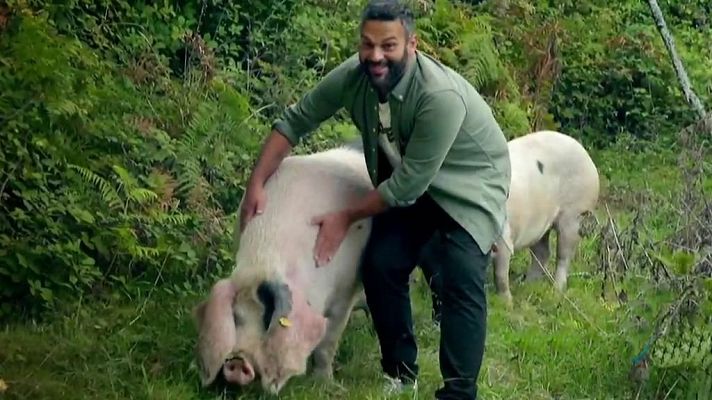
[[389, 10]]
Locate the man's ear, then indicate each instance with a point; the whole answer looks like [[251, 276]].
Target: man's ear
[[412, 42]]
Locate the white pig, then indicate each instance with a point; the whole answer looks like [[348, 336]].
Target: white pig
[[554, 184], [278, 309]]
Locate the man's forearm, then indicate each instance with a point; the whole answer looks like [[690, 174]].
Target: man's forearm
[[367, 206], [274, 150]]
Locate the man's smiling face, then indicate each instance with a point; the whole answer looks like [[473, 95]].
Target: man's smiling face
[[384, 51]]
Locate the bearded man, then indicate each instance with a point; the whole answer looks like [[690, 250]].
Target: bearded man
[[439, 163]]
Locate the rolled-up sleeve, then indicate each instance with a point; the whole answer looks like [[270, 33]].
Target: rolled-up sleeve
[[317, 105], [436, 126]]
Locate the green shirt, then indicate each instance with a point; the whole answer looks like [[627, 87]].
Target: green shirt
[[451, 144]]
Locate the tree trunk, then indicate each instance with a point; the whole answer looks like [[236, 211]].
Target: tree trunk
[[690, 95]]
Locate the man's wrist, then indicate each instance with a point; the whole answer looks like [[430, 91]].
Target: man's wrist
[[255, 181], [368, 206], [352, 215]]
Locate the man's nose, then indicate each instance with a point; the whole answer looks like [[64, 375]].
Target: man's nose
[[376, 55]]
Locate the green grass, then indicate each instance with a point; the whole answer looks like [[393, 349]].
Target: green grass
[[548, 346]]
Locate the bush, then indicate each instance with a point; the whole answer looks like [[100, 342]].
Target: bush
[[111, 178], [610, 72]]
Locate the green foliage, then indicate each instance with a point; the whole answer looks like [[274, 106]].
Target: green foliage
[[609, 71], [464, 41], [108, 179]]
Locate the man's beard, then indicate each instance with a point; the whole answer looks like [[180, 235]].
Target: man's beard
[[395, 72]]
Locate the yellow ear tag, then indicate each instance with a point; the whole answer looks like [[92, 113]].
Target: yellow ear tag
[[285, 322]]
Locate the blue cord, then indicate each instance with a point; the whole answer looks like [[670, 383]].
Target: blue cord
[[643, 353]]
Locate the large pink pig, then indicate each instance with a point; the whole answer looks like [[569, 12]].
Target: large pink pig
[[277, 309]]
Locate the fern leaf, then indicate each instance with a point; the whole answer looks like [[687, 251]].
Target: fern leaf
[[173, 219], [128, 182], [108, 192], [190, 174], [146, 253], [142, 196]]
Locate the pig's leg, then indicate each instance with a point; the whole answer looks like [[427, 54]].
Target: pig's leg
[[567, 241], [539, 257], [337, 317], [360, 303], [502, 258]]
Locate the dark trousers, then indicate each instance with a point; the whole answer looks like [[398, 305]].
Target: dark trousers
[[431, 266], [392, 253]]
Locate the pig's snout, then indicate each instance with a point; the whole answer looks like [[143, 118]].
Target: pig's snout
[[238, 371]]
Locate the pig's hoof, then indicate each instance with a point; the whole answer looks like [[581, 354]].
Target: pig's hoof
[[323, 372], [560, 284], [507, 300]]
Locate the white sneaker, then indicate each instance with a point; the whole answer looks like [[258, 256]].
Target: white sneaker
[[394, 386]]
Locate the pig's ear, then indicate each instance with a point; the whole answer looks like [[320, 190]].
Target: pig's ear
[[198, 314], [217, 332]]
